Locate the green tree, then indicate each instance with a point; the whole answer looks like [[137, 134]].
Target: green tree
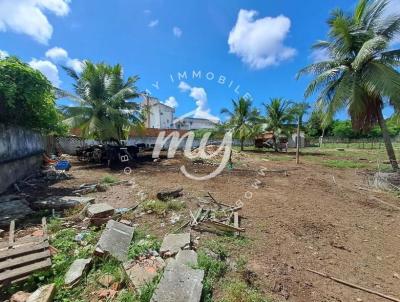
[[317, 126], [105, 112], [242, 120], [27, 98], [299, 110], [279, 115], [360, 74]]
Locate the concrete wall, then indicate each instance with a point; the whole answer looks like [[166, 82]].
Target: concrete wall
[[20, 154]]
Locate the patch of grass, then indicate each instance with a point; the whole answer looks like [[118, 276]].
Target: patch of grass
[[214, 269], [280, 157], [161, 207], [142, 243], [222, 244], [238, 291], [109, 179], [241, 263], [343, 164]]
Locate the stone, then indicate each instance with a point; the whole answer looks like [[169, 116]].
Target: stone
[[173, 243], [106, 280], [43, 294], [62, 203], [115, 240], [180, 283], [167, 194], [76, 270], [20, 296], [100, 210], [143, 272], [188, 257]]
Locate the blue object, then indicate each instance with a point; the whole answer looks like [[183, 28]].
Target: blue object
[[63, 165]]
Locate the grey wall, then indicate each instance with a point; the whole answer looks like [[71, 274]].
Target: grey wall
[[20, 154]]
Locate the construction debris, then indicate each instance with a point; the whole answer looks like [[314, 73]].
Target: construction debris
[[43, 294], [173, 243], [142, 271], [91, 188], [22, 256], [100, 210], [216, 217], [167, 194], [115, 240], [20, 296], [180, 283], [76, 270]]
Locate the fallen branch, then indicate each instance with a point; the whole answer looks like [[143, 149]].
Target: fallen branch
[[354, 286]]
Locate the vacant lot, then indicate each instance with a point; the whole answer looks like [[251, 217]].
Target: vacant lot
[[318, 215]]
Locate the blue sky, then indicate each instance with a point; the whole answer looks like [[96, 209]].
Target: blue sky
[[257, 45]]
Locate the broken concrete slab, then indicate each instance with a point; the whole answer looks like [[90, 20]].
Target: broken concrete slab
[[167, 194], [173, 243], [43, 294], [143, 271], [20, 296], [100, 210], [13, 210], [62, 202], [76, 270], [115, 240], [188, 257], [180, 283]]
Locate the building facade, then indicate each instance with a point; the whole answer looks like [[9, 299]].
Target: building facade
[[158, 115], [192, 123]]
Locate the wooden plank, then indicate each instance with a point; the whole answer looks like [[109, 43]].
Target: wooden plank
[[11, 234], [236, 222], [24, 240], [9, 263], [221, 226], [25, 270], [44, 226], [26, 249]]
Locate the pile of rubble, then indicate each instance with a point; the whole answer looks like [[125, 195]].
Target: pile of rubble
[[212, 152]]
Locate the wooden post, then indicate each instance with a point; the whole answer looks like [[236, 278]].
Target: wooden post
[[11, 234], [298, 142]]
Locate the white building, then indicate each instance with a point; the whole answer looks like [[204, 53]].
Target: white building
[[192, 123], [158, 115]]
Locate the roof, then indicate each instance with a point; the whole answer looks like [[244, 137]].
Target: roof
[[194, 119]]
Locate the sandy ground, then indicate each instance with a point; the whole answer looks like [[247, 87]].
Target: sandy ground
[[313, 217]]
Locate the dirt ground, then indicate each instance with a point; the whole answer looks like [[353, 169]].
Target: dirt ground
[[312, 217]]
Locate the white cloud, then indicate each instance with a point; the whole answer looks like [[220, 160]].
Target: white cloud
[[171, 102], [320, 55], [28, 17], [260, 42], [177, 31], [3, 54], [57, 54], [48, 68], [153, 23], [200, 96]]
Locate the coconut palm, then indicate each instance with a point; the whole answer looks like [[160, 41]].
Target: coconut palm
[[279, 115], [105, 111], [360, 73], [299, 110], [242, 120]]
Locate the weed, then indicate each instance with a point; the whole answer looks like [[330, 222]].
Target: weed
[[109, 179], [343, 164], [241, 263], [161, 207], [214, 269], [54, 225], [142, 243], [237, 291]]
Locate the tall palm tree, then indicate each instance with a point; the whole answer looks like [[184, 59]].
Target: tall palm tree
[[299, 110], [279, 115], [242, 120], [105, 111], [360, 74]]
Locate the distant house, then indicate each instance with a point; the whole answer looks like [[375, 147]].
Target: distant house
[[192, 123], [158, 115]]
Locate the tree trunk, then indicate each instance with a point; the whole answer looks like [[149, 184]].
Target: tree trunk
[[387, 141], [241, 144], [298, 142]]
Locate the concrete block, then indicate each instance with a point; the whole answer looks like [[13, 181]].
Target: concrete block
[[76, 270], [173, 243]]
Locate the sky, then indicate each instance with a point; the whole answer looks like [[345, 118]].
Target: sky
[[193, 55]]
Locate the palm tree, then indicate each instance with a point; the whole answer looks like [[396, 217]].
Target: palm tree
[[360, 74], [104, 110], [299, 110], [279, 114], [242, 120]]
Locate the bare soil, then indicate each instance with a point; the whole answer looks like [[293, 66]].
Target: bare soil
[[311, 217]]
